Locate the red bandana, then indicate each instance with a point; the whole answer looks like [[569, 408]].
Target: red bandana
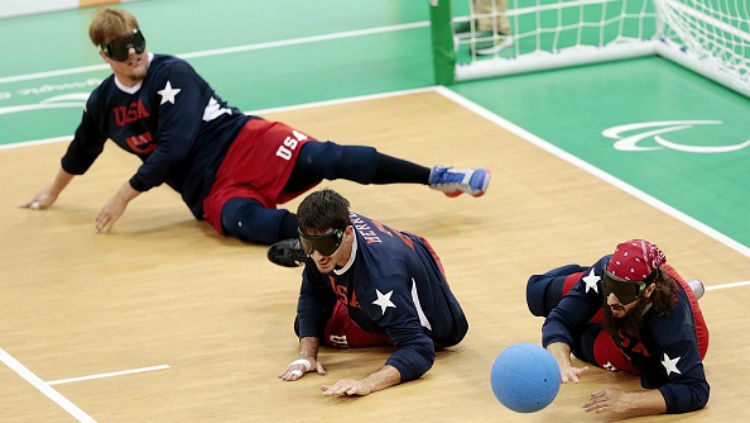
[[634, 260]]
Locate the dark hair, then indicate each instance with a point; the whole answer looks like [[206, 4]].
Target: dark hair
[[323, 210], [663, 298]]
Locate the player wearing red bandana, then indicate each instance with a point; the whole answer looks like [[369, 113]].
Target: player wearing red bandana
[[629, 311]]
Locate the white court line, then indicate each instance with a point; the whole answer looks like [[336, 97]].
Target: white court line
[[231, 50], [36, 142], [347, 100], [356, 99], [727, 285], [575, 161], [44, 388], [109, 374]]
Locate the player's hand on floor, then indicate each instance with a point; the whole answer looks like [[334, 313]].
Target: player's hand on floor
[[571, 374], [109, 214], [297, 368], [346, 387], [609, 400], [42, 200]]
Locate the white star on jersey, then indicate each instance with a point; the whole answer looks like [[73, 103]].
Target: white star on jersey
[[591, 279], [670, 364], [168, 93], [609, 366], [384, 300]]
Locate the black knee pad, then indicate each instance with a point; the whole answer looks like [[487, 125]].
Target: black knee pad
[[538, 289], [332, 161], [249, 220]]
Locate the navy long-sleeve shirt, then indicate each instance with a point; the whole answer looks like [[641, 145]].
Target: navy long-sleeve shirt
[[392, 284], [666, 353], [173, 121]]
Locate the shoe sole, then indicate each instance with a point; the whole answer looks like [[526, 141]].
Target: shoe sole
[[486, 183]]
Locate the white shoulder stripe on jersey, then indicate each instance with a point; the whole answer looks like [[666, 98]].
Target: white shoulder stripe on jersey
[[415, 297]]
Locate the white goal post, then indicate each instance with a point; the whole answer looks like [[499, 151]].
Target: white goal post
[[711, 37]]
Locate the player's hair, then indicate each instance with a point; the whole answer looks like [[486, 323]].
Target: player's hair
[[663, 298], [323, 210], [110, 23]]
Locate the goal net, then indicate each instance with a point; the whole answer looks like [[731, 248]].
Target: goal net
[[499, 37]]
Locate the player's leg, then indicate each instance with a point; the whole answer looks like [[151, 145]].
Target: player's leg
[[365, 165], [543, 292], [248, 220]]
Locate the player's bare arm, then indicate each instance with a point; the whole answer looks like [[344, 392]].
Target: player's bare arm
[[46, 197], [626, 403], [114, 208], [561, 352], [385, 377], [307, 361]]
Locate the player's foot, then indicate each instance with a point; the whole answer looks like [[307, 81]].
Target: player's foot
[[697, 287], [455, 182], [287, 253]]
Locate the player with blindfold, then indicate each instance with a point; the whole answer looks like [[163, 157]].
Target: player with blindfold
[[231, 169], [366, 284], [630, 311]]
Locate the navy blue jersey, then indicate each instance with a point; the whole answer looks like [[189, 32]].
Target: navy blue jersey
[[666, 352], [392, 284], [173, 120]]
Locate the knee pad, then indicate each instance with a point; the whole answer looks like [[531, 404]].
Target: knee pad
[[249, 220], [332, 161], [536, 294]]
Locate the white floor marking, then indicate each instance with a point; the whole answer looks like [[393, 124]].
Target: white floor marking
[[109, 374], [564, 155], [727, 285], [44, 388]]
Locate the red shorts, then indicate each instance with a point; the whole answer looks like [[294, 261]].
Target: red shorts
[[341, 331], [257, 165]]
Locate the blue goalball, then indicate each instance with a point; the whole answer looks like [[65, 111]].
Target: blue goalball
[[525, 378]]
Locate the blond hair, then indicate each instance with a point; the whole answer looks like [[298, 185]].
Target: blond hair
[[108, 24]]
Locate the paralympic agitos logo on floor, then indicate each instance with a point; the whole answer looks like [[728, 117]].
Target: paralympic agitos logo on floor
[[649, 136]]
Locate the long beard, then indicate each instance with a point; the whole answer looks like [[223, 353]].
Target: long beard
[[628, 324]]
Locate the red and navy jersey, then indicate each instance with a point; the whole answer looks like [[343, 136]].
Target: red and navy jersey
[[173, 120], [392, 284], [667, 351]]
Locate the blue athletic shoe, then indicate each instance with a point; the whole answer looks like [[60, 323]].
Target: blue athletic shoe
[[454, 182]]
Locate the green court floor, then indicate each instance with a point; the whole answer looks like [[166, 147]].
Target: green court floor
[[296, 52]]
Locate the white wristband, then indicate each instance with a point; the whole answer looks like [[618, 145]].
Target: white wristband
[[306, 363]]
